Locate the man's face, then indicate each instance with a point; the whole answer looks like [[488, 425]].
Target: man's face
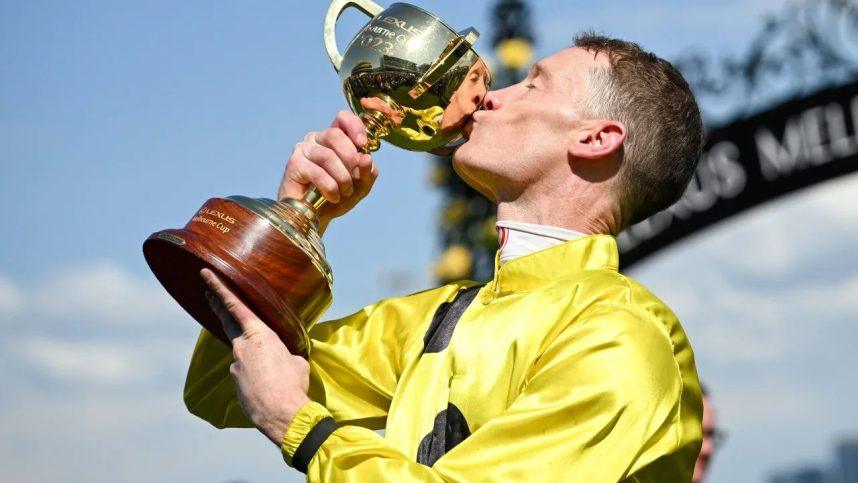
[[708, 447], [522, 137]]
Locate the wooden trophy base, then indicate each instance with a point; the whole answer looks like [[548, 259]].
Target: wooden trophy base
[[270, 266]]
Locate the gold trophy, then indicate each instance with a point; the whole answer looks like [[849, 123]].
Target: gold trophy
[[415, 82]]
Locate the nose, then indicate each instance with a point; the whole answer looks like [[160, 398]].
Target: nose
[[497, 99], [494, 100], [477, 99], [706, 449]]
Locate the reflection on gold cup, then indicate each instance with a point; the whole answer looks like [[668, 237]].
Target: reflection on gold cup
[[421, 68], [467, 98], [415, 82]]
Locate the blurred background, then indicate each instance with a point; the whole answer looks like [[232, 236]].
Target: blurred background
[[118, 119]]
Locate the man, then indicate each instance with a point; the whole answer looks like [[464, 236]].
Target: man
[[560, 368], [711, 439]]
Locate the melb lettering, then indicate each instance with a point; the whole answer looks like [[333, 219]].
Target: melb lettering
[[756, 159], [816, 136], [720, 175]]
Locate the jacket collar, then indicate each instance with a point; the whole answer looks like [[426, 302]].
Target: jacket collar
[[593, 252]]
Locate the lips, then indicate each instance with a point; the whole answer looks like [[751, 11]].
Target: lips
[[468, 128]]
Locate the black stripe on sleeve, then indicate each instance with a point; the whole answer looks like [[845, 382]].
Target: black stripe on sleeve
[[312, 442]]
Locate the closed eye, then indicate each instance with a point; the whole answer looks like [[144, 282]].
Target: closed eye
[[534, 73]]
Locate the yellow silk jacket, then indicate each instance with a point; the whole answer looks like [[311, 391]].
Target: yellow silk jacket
[[559, 369]]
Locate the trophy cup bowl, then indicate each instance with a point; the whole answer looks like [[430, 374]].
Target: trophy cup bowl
[[415, 82]]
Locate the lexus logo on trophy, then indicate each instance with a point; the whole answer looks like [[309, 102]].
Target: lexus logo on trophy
[[414, 82]]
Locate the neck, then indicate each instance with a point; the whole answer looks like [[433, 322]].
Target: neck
[[578, 214], [583, 201]]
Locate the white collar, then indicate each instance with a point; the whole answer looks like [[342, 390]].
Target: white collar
[[518, 239]]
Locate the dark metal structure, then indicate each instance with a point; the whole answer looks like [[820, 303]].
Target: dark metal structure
[[808, 46]]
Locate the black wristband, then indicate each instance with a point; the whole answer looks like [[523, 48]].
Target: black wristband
[[312, 442]]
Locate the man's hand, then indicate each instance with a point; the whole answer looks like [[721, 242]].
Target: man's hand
[[330, 161], [271, 383]]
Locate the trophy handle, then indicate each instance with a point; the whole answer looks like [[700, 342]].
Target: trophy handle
[[336, 9], [454, 51]]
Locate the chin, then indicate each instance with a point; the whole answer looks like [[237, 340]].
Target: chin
[[466, 165], [466, 161], [460, 159], [469, 153], [459, 152]]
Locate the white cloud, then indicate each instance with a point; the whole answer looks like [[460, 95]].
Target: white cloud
[[784, 234], [767, 403], [758, 290], [94, 325], [769, 251], [86, 362], [841, 297], [105, 436], [11, 298], [775, 241], [733, 323], [102, 292], [837, 200]]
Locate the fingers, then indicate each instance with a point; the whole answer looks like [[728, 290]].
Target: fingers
[[337, 141], [301, 172], [376, 104], [327, 171], [236, 318], [335, 151], [363, 168], [367, 172], [230, 326], [331, 160], [352, 126]]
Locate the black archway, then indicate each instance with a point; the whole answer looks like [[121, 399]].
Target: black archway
[[790, 147]]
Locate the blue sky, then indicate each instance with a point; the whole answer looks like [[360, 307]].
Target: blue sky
[[118, 119]]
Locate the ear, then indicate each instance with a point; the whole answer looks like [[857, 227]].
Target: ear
[[598, 139]]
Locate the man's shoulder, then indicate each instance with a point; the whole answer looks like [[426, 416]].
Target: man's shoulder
[[648, 328], [424, 300], [613, 302], [606, 290], [441, 293]]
